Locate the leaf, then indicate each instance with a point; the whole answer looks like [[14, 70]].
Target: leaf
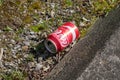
[[7, 28]]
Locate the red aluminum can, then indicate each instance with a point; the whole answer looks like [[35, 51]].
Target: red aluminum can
[[62, 37]]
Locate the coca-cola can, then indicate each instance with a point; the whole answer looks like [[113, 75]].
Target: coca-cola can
[[62, 37]]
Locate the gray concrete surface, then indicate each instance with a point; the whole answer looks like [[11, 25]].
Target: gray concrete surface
[[106, 64], [96, 56]]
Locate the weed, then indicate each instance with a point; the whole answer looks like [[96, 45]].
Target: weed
[[39, 27], [30, 57], [1, 1], [8, 28], [14, 75]]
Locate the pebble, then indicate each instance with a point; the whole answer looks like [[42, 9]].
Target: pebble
[[33, 36], [10, 45], [19, 61], [53, 5], [14, 56], [17, 46], [39, 66], [32, 33], [44, 34], [26, 38], [52, 13], [31, 64], [25, 48], [72, 11], [1, 65], [12, 41], [85, 19], [3, 36], [1, 31], [27, 43], [82, 24], [67, 49], [40, 59], [46, 68], [11, 64], [13, 51]]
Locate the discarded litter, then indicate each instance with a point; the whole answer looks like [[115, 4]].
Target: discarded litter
[[62, 37]]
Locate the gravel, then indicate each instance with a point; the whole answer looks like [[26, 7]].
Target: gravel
[[23, 51]]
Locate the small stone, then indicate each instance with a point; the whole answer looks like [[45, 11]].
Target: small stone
[[27, 43], [10, 45], [17, 46], [53, 5], [33, 36], [3, 36], [82, 24], [44, 34], [12, 41], [14, 56], [39, 66], [25, 48], [1, 31], [72, 11], [32, 33], [46, 68], [31, 64], [67, 49], [13, 51], [73, 43], [1, 65], [85, 19], [19, 61], [36, 11], [26, 38], [11, 64], [52, 13], [50, 61], [40, 59], [6, 39]]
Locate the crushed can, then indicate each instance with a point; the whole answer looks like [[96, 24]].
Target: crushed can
[[62, 37]]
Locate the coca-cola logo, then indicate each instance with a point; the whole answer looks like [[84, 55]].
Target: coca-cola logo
[[62, 38]]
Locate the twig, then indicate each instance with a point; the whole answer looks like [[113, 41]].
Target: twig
[[1, 53]]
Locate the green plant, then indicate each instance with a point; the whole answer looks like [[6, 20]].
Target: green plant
[[14, 75], [68, 3], [39, 27], [1, 1], [7, 28], [30, 57], [103, 6]]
